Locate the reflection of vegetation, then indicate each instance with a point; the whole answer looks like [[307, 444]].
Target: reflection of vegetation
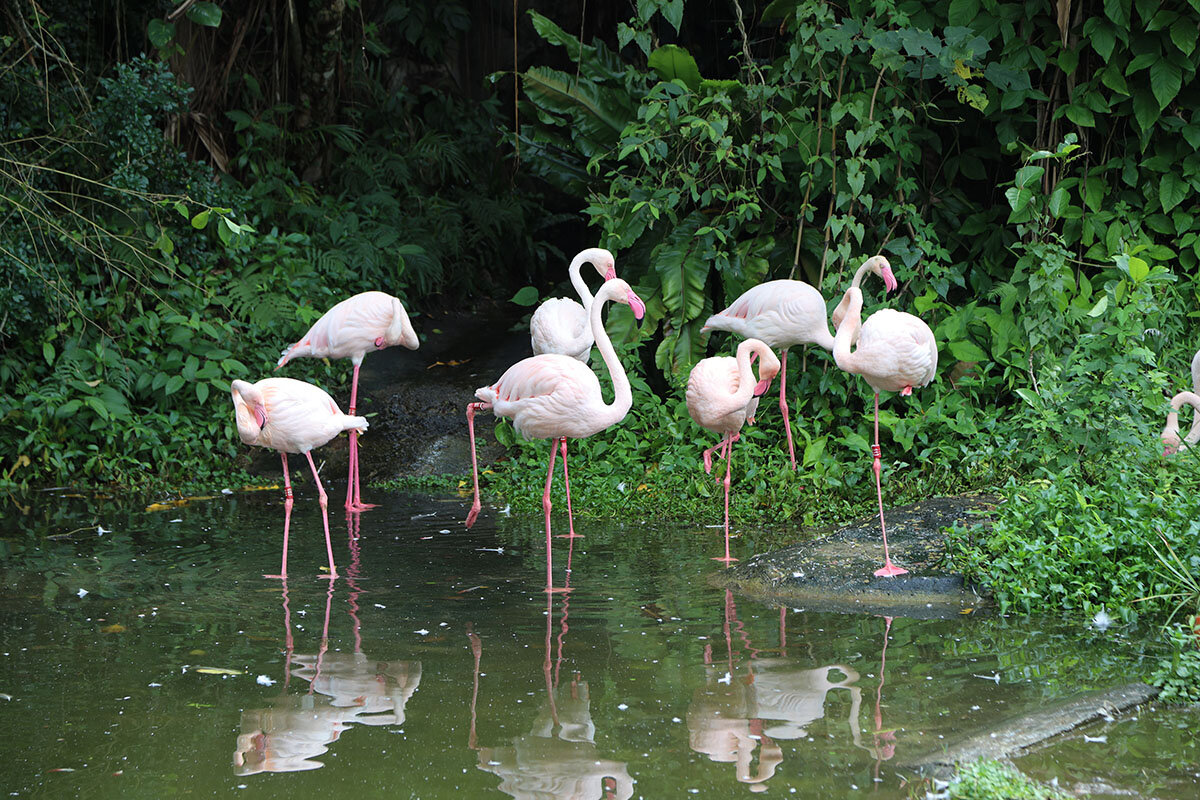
[[1178, 673]]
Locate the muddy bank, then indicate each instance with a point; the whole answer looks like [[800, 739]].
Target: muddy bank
[[835, 572]]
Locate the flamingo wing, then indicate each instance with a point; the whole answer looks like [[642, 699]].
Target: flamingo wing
[[560, 325], [348, 330]]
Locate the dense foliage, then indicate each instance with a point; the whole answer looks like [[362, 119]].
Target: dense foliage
[[136, 281]]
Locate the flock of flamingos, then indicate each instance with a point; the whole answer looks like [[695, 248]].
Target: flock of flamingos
[[555, 395]]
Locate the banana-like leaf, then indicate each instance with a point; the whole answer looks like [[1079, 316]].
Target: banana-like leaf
[[672, 62], [595, 60], [680, 264], [598, 113]]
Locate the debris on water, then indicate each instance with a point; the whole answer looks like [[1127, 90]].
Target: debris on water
[[1102, 620], [5, 696], [995, 677], [622, 707], [728, 678], [223, 671], [380, 605], [1101, 739], [422, 631], [499, 550], [423, 516], [82, 593], [227, 491], [444, 530], [154, 685], [101, 530], [177, 520], [506, 510], [264, 680]]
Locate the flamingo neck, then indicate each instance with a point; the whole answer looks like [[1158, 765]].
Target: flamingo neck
[[860, 274], [847, 332], [746, 382], [1177, 403], [581, 288], [622, 392]]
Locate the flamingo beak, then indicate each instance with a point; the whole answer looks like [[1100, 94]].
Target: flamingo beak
[[610, 274], [889, 279], [260, 417], [639, 308], [379, 343], [761, 387]]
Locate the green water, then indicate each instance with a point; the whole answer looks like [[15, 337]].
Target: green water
[[436, 667]]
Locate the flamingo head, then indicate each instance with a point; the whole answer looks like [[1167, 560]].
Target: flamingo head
[[400, 331], [1170, 435], [602, 260], [768, 367], [881, 267], [250, 410]]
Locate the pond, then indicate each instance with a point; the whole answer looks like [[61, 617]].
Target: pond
[[143, 655]]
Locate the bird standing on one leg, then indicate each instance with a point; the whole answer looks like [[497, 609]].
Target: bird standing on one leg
[[787, 312], [354, 327], [556, 397], [291, 416], [896, 352], [721, 394]]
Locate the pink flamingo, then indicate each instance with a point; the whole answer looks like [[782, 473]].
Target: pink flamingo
[[786, 312], [1172, 444], [560, 325], [721, 395], [896, 351], [354, 327], [292, 417], [552, 396]]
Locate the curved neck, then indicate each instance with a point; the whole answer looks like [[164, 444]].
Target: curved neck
[[585, 295], [746, 382], [847, 332], [1177, 404], [622, 393], [861, 273]]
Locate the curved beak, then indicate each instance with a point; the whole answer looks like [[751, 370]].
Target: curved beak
[[761, 387], [639, 308], [889, 279], [260, 417], [610, 274]]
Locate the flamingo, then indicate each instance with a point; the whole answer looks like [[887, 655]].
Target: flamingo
[[721, 395], [560, 325], [291, 416], [783, 313], [896, 352], [1172, 444], [354, 327], [552, 396]]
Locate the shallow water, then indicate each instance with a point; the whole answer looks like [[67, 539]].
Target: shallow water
[[436, 667]]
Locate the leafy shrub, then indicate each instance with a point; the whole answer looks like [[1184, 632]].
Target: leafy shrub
[[1178, 675]]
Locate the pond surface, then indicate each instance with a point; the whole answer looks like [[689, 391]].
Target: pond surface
[[152, 660]]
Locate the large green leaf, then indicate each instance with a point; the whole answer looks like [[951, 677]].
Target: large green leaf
[[672, 62], [206, 14], [1165, 81], [599, 113], [680, 264], [1172, 190]]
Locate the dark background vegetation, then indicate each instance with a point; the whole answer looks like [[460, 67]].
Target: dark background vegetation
[[184, 186]]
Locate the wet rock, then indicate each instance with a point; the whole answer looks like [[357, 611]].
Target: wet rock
[[836, 572], [1010, 737]]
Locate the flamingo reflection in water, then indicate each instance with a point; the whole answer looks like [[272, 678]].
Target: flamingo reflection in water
[[734, 714], [558, 758], [343, 689]]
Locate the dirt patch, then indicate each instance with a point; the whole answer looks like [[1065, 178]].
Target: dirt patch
[[836, 572]]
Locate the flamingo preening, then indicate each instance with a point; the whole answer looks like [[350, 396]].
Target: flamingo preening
[[291, 416], [721, 394], [556, 397], [784, 313], [561, 325], [1172, 444], [354, 327], [896, 352]]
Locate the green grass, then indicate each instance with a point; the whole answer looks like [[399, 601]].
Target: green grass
[[994, 780]]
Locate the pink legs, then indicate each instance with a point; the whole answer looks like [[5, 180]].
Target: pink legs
[[287, 516], [726, 448], [353, 490], [888, 569], [288, 502], [783, 406], [546, 505], [324, 498], [567, 482], [473, 514]]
